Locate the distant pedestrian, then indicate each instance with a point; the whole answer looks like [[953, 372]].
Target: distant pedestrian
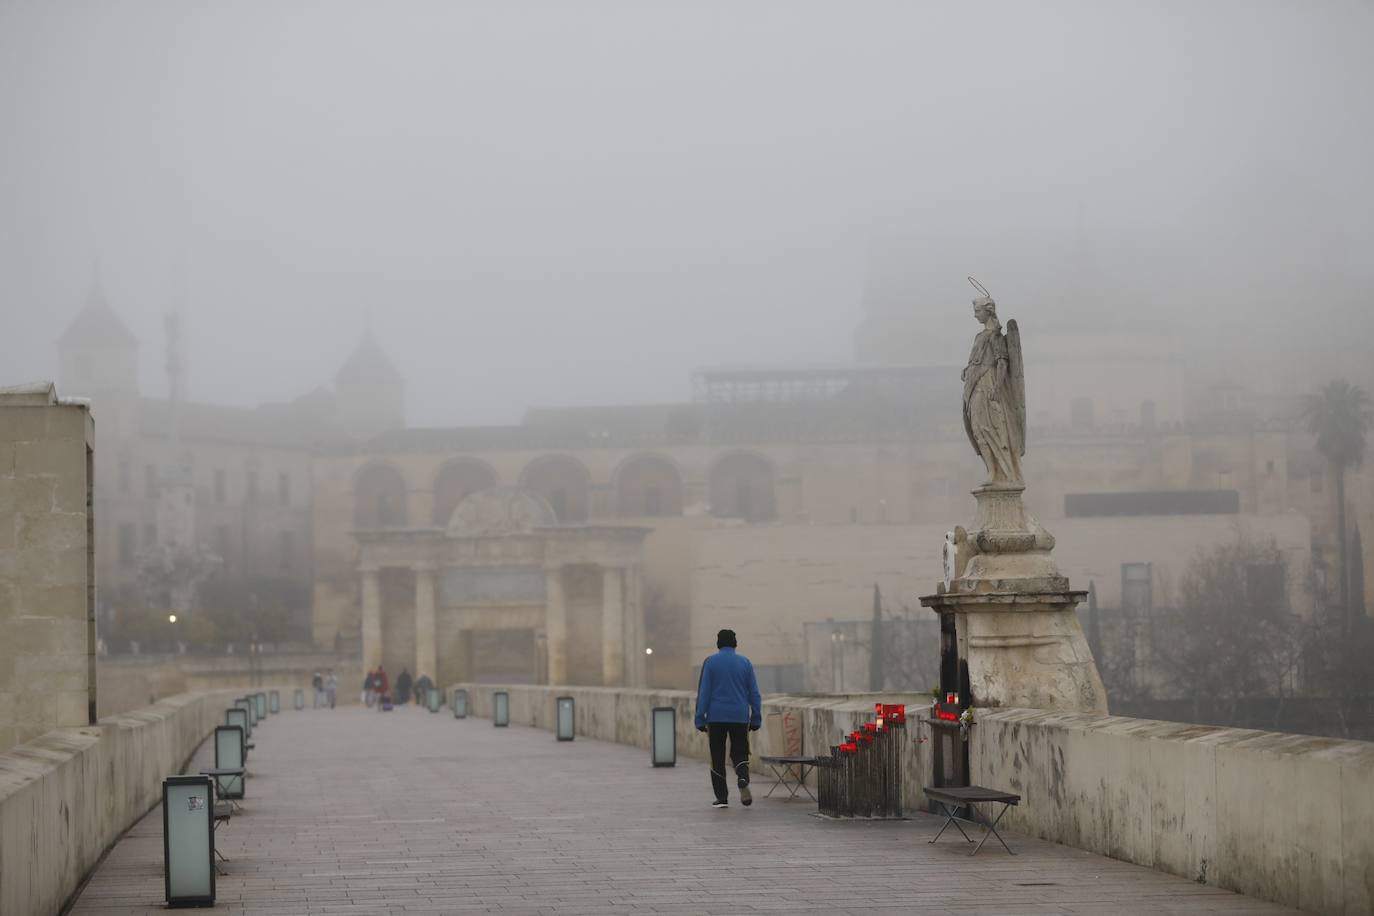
[[318, 683], [403, 683], [422, 686], [381, 686], [367, 687], [331, 687], [728, 707]]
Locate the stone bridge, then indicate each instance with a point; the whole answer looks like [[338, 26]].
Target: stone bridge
[[355, 811]]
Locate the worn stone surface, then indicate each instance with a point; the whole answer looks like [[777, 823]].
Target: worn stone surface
[[1024, 649], [45, 593], [354, 811], [1279, 816]]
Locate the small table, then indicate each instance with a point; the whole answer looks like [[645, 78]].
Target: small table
[[217, 773], [952, 798], [779, 766]]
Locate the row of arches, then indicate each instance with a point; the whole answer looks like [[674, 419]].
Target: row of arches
[[740, 485]]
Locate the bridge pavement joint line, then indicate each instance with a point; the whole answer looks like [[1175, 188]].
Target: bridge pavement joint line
[[351, 811]]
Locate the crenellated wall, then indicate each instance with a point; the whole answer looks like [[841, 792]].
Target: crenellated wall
[[1288, 818], [69, 794]]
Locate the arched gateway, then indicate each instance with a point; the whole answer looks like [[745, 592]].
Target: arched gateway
[[505, 593]]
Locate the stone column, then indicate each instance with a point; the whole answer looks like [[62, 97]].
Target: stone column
[[636, 641], [613, 626], [556, 625], [426, 653], [372, 619]]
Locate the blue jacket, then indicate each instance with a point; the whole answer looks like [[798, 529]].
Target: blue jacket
[[728, 690]]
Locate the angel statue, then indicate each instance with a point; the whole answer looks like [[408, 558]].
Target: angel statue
[[995, 396]]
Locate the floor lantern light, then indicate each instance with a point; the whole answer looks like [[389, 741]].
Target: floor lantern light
[[460, 704], [663, 746], [566, 707], [247, 707], [237, 715], [260, 703], [229, 753], [274, 702], [298, 699], [434, 699], [500, 708], [188, 840]]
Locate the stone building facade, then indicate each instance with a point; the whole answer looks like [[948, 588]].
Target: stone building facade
[[247, 470], [770, 512]]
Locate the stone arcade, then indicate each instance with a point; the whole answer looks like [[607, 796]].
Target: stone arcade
[[505, 593]]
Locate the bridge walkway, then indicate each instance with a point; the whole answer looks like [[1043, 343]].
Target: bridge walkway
[[351, 811]]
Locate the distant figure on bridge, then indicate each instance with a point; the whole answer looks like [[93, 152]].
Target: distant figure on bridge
[[403, 687], [380, 687], [331, 687], [728, 706], [367, 687], [318, 683], [422, 685]]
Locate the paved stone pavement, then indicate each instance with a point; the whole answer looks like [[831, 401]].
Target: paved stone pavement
[[352, 811]]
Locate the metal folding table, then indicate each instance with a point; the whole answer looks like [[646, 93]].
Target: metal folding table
[[953, 798], [781, 767]]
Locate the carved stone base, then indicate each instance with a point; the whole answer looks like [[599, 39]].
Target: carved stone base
[[1024, 647], [1007, 542]]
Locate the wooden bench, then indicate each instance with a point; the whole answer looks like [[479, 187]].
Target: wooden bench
[[953, 798]]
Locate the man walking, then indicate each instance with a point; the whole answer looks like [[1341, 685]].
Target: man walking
[[728, 707]]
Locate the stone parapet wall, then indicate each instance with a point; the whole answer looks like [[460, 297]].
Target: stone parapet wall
[[131, 682], [69, 794], [1288, 818]]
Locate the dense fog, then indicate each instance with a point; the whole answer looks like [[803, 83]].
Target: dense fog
[[577, 203]]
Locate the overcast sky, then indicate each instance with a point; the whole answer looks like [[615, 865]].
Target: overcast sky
[[577, 202]]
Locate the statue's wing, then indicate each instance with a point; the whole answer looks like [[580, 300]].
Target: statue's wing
[[1016, 381]]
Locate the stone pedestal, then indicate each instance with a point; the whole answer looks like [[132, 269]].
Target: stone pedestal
[[1017, 632]]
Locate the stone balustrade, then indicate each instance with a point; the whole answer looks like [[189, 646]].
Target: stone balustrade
[[1288, 818]]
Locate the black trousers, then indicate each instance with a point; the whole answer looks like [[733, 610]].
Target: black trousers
[[738, 733]]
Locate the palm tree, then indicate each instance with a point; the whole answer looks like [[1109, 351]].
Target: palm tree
[[1339, 416]]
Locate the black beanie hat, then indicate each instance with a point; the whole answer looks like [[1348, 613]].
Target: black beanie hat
[[726, 638]]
